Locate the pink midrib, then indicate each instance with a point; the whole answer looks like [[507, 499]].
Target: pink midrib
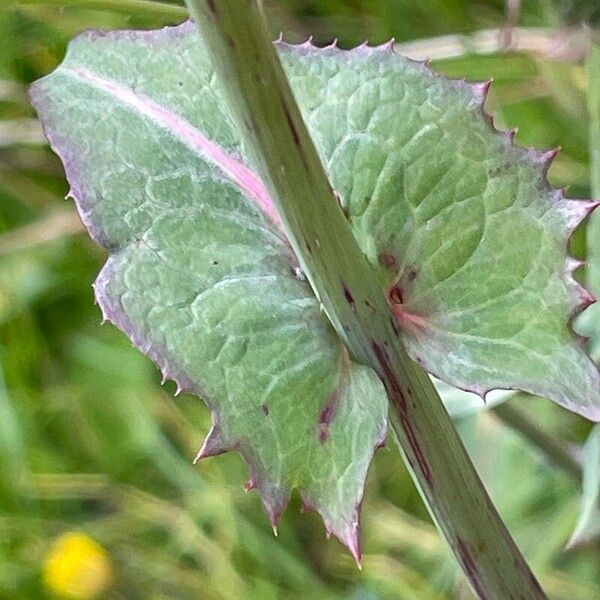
[[231, 167]]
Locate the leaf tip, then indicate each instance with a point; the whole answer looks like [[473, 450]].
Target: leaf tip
[[351, 539]]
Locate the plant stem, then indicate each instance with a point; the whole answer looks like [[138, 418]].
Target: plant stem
[[538, 40], [280, 147], [557, 451], [128, 7]]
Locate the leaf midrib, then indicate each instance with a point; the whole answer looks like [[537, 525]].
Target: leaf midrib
[[180, 128]]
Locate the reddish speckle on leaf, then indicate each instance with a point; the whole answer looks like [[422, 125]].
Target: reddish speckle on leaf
[[323, 433], [411, 275], [387, 260], [395, 295], [327, 415]]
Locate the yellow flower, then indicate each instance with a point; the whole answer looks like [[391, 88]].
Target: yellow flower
[[77, 567]]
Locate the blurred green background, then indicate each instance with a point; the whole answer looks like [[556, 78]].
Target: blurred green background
[[98, 495]]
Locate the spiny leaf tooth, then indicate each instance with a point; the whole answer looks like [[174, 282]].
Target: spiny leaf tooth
[[214, 444], [308, 43], [382, 441], [573, 264], [546, 157], [587, 298], [575, 211], [333, 45], [510, 134], [481, 90], [387, 46], [581, 296], [275, 502]]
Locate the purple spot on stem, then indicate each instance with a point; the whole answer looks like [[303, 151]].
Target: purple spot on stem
[[212, 7], [348, 296], [470, 567], [291, 125], [398, 400]]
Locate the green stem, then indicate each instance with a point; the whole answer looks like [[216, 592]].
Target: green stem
[[485, 41], [280, 147], [128, 7], [555, 450]]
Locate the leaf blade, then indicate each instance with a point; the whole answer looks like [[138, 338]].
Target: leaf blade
[[469, 239], [201, 278]]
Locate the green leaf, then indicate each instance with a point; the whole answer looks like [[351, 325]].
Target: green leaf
[[465, 235], [468, 238], [200, 275], [589, 322], [588, 525]]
